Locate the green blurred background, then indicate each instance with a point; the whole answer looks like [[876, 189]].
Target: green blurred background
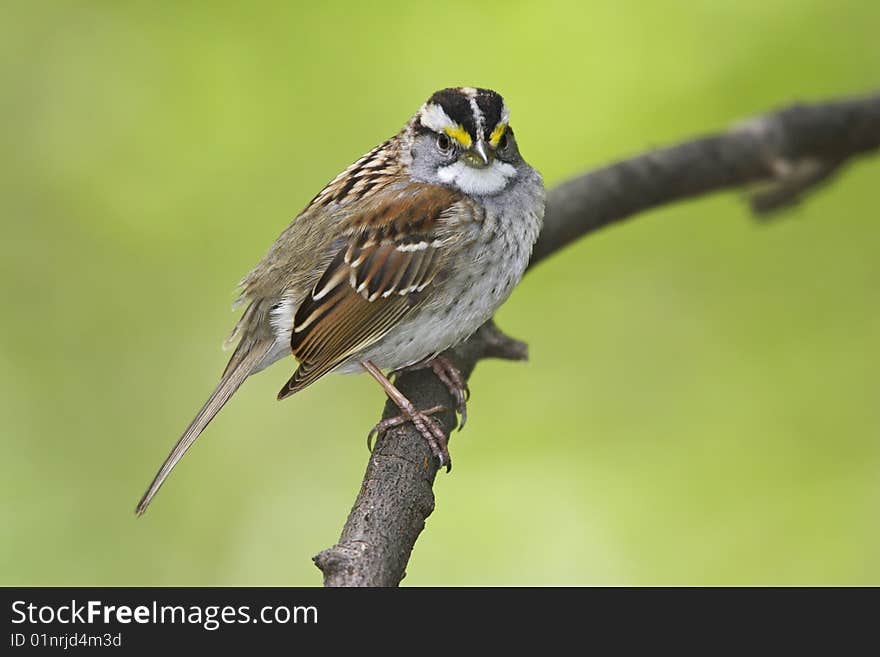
[[701, 405]]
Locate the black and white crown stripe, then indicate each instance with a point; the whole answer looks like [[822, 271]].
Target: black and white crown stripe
[[477, 111]]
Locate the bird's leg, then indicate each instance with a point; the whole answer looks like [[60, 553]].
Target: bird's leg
[[451, 378], [426, 425]]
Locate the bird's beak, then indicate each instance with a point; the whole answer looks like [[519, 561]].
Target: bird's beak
[[478, 156]]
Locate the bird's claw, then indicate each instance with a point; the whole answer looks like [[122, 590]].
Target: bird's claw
[[427, 426]]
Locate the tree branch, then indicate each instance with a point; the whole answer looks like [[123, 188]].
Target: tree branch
[[790, 152]]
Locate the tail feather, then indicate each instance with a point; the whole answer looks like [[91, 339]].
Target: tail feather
[[231, 380]]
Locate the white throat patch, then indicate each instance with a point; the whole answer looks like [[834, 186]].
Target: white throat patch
[[490, 180]]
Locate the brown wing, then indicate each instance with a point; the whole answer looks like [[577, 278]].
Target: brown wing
[[391, 253]]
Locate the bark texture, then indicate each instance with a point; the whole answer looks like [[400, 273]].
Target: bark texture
[[779, 157]]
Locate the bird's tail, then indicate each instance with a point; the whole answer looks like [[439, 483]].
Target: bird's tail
[[240, 367]]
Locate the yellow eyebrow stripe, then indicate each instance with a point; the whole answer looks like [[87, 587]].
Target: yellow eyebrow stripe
[[460, 135], [497, 133]]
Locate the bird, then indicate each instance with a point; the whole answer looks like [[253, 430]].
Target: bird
[[403, 255]]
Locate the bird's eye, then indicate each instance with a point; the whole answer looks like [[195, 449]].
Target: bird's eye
[[444, 143], [502, 143]]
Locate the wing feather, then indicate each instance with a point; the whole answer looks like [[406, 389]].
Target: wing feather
[[394, 250]]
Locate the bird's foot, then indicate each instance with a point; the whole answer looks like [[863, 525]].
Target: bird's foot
[[450, 377], [455, 384], [426, 425]]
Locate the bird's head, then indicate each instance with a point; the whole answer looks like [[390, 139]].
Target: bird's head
[[461, 137]]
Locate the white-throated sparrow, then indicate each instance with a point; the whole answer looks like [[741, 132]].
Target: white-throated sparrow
[[403, 255]]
